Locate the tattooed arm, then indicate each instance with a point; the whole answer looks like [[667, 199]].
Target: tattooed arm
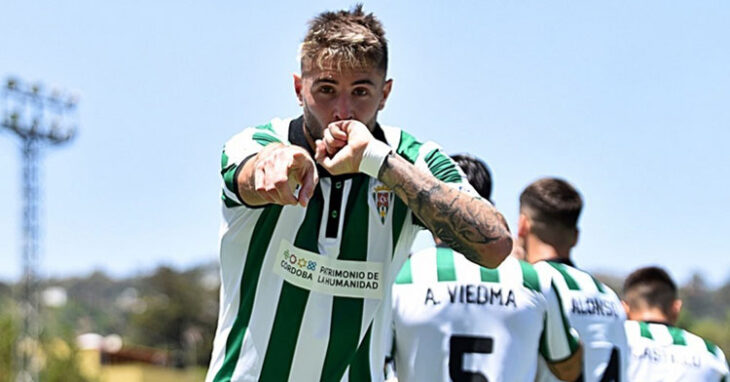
[[465, 223]]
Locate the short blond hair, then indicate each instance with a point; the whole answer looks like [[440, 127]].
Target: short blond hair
[[345, 40]]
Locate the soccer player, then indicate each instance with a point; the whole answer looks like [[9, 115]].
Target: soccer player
[[548, 228], [456, 321], [320, 212], [660, 351]]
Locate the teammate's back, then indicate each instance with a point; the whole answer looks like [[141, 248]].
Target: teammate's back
[[548, 229], [595, 311], [455, 320], [660, 351]]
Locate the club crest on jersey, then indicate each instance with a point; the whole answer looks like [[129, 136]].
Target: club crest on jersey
[[382, 195]]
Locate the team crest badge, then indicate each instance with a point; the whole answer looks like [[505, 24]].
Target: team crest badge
[[382, 196]]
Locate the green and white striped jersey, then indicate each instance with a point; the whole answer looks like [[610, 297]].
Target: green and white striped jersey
[[303, 292], [595, 311], [454, 320], [665, 353]]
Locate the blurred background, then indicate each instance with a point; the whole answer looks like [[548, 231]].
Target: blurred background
[[628, 101]]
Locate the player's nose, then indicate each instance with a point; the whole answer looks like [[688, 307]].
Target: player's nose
[[343, 109]]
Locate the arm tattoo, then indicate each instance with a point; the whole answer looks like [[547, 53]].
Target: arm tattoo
[[465, 223]]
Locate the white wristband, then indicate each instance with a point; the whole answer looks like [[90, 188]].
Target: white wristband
[[373, 157]]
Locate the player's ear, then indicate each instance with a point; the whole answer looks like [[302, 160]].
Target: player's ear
[[298, 87], [523, 226], [627, 308], [518, 249], [676, 308], [387, 87], [574, 239]]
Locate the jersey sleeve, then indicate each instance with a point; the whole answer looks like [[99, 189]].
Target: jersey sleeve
[[559, 340], [241, 147], [431, 158]]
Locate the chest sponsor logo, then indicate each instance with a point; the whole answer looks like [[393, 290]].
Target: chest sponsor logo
[[383, 197], [318, 273]]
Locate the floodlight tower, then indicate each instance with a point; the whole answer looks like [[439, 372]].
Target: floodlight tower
[[39, 119]]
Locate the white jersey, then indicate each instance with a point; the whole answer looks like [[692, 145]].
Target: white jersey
[[666, 353], [595, 311], [456, 321], [303, 291]]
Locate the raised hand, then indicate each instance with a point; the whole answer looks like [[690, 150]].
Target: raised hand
[[274, 175], [341, 149]]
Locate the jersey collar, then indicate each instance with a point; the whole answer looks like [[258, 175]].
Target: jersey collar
[[665, 323], [561, 261]]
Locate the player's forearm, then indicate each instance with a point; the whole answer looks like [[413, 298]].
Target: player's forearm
[[465, 223], [246, 185], [570, 369]]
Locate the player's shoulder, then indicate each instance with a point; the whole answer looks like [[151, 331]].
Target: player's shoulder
[[703, 344], [637, 332], [436, 265], [416, 266], [275, 130], [442, 264], [424, 256], [663, 334], [532, 279], [408, 146], [574, 279]]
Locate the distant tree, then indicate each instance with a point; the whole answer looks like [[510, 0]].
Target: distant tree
[[697, 298], [722, 298], [5, 290], [61, 361], [91, 305], [180, 315], [57, 352], [8, 334]]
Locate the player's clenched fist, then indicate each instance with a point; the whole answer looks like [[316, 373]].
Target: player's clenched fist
[[349, 147], [274, 174]]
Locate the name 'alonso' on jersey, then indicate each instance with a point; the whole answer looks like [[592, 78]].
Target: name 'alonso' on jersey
[[303, 289], [595, 311], [454, 320], [665, 353]]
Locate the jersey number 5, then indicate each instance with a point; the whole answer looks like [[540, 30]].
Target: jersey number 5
[[460, 345]]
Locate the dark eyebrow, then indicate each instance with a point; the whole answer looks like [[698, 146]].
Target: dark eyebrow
[[325, 80], [364, 82]]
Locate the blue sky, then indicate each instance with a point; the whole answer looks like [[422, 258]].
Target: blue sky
[[627, 100]]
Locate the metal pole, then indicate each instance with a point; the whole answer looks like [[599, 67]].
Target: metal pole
[[37, 119]]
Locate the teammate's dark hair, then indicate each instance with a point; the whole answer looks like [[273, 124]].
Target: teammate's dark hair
[[553, 206], [650, 287], [477, 173]]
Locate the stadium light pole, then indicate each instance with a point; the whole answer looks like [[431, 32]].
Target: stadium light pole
[[39, 119]]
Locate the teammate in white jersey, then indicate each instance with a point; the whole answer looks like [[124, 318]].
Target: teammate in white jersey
[[456, 321], [660, 351], [548, 229], [307, 248]]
